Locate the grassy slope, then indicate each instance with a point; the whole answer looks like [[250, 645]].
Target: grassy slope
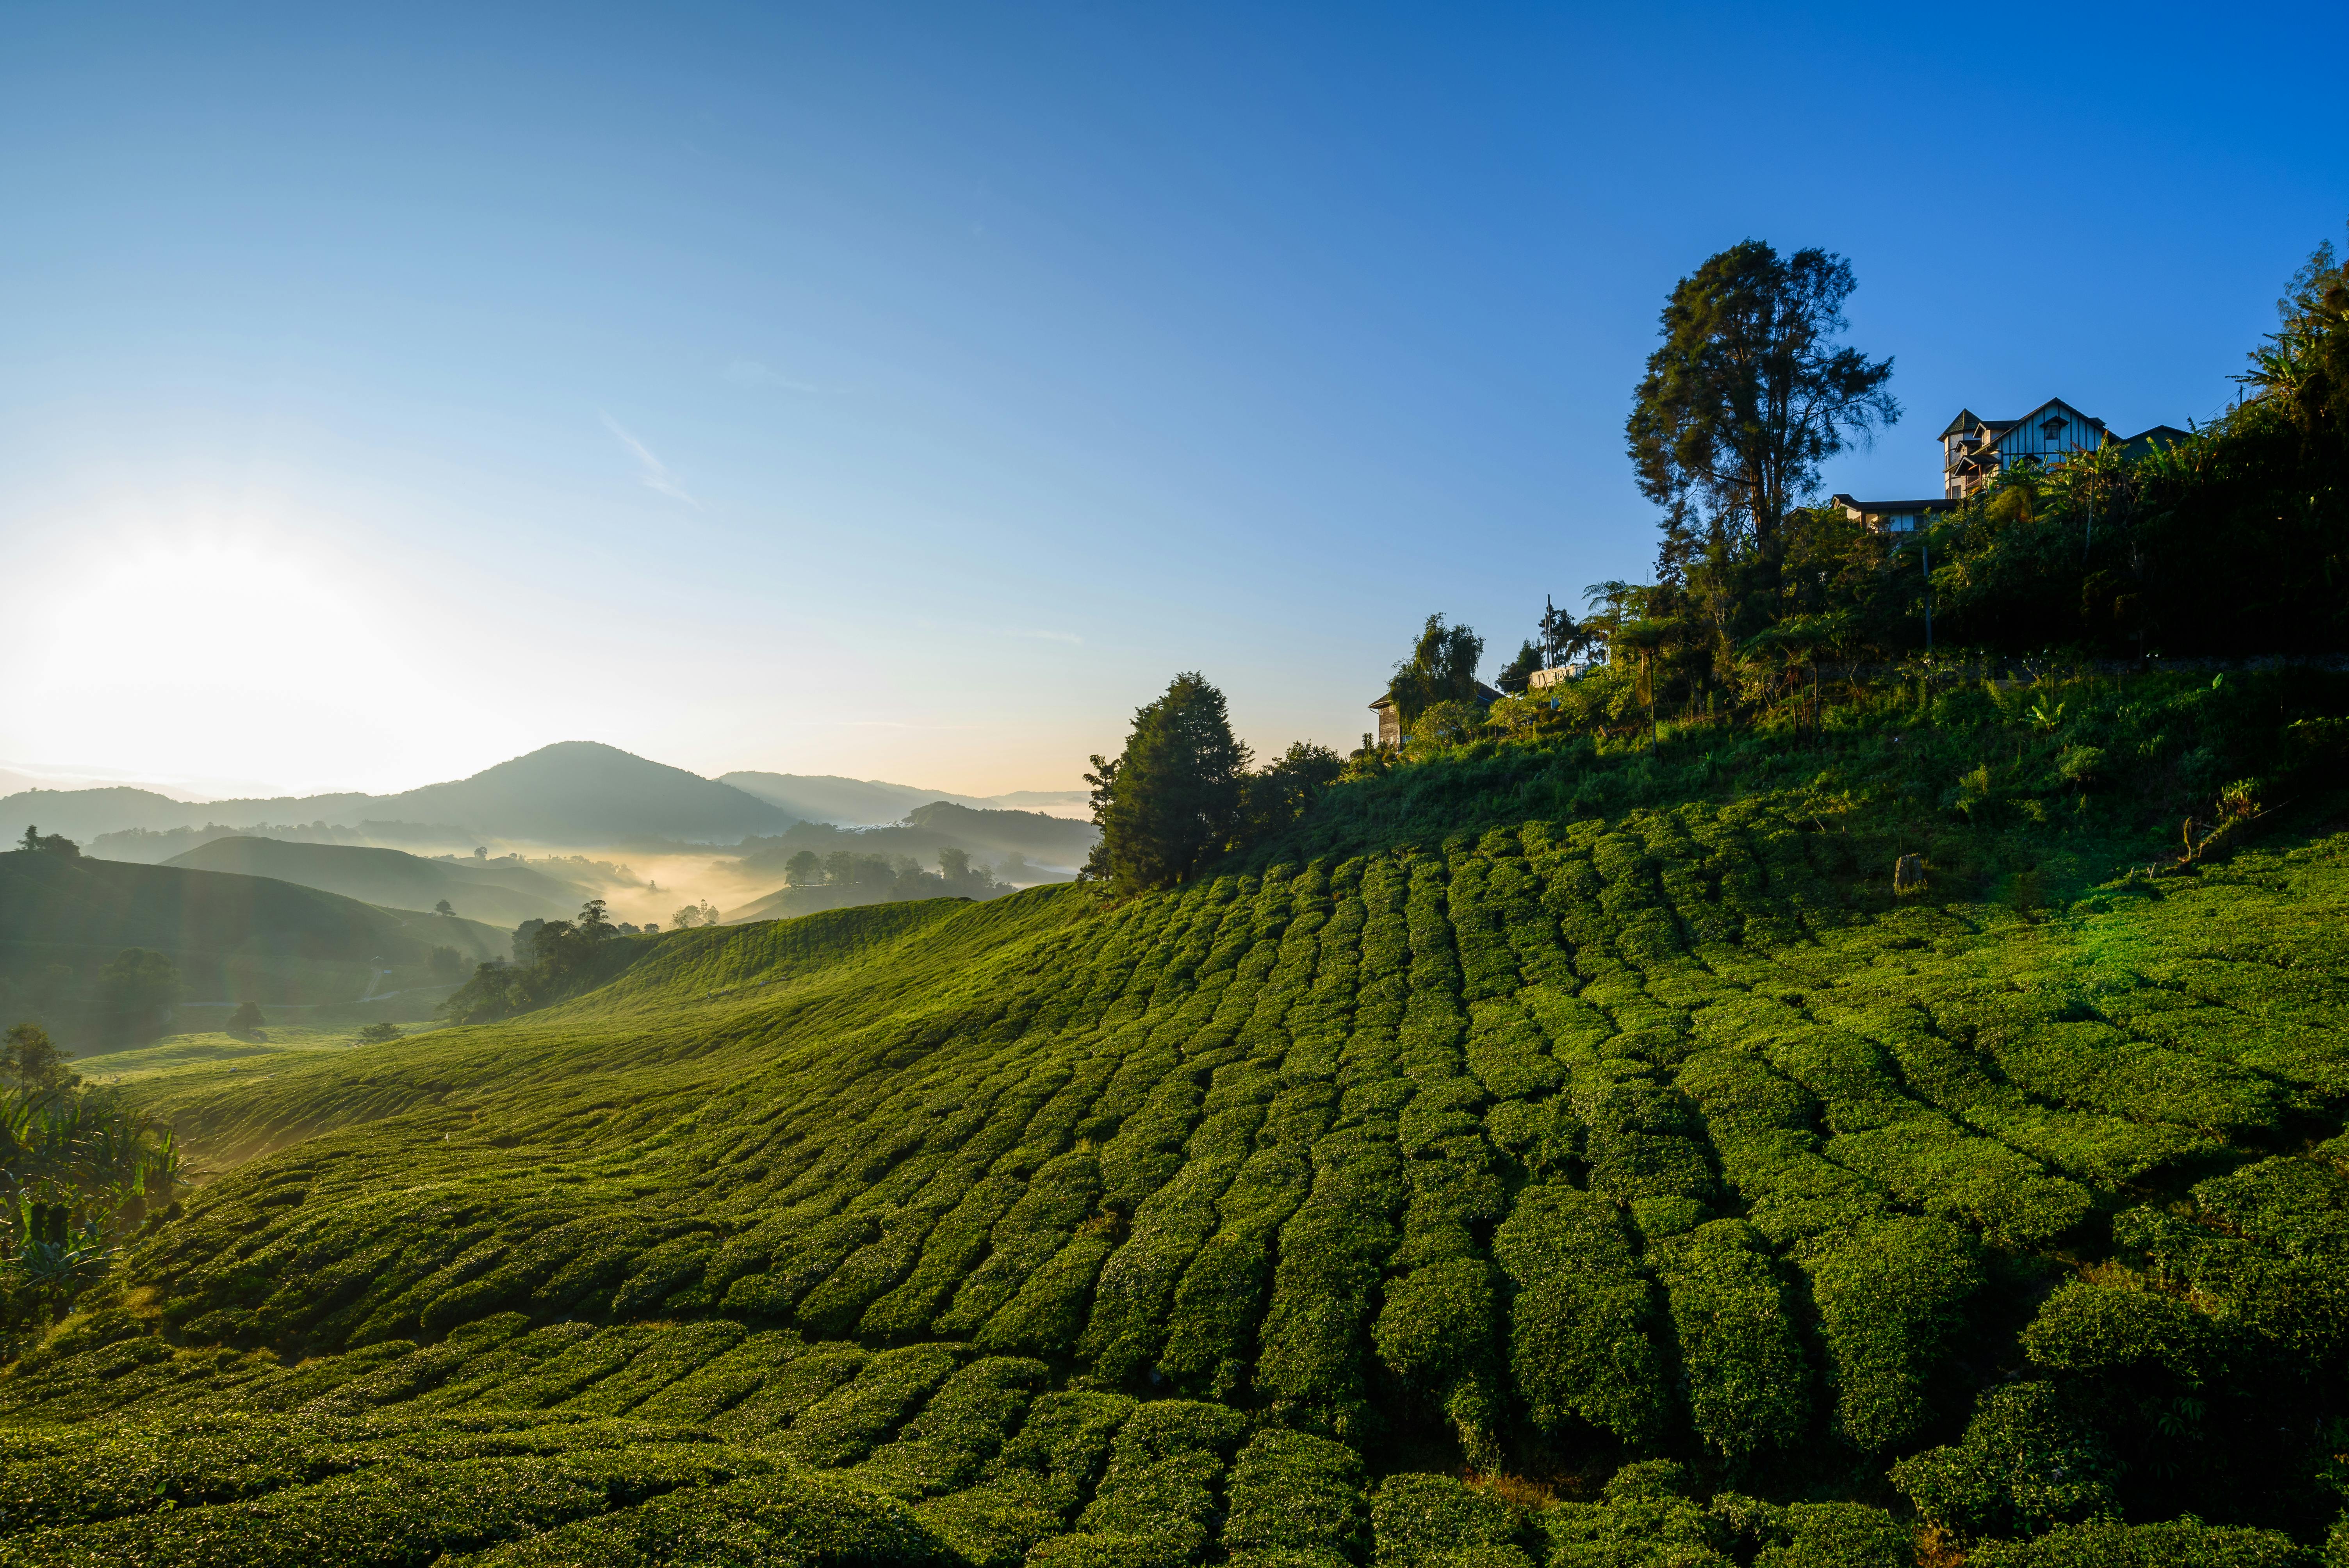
[[1359, 1156]]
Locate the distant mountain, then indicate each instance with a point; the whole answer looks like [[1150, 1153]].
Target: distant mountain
[[501, 894], [576, 792], [82, 815], [870, 802], [581, 792]]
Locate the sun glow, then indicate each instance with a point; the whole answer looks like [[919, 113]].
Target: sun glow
[[237, 654]]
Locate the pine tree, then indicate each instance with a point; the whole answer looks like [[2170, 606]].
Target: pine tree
[[1171, 799]]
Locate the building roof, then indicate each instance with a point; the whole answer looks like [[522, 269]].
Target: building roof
[[1967, 419], [1483, 694], [1938, 503]]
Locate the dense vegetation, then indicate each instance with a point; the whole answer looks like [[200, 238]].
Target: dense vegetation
[[81, 1173], [2227, 542], [1589, 1123]]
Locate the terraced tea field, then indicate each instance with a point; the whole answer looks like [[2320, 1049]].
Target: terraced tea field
[[1604, 1193]]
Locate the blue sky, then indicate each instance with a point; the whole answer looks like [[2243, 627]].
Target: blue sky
[[909, 391]]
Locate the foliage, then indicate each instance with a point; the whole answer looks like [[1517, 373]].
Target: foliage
[[81, 1173], [552, 959], [1173, 798], [1748, 395], [31, 1062], [1441, 668]]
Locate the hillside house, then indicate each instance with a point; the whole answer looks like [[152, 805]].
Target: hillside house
[[1391, 730], [1975, 451]]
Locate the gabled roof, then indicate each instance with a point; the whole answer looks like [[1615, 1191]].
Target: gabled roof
[[1967, 419], [1938, 503]]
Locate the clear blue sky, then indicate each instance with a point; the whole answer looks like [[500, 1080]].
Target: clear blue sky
[[910, 390]]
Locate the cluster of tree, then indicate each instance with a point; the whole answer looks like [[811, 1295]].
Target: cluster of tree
[[36, 843], [894, 878], [552, 959], [1182, 792], [79, 1175], [692, 914]]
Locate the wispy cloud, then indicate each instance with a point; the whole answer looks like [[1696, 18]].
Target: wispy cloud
[[1043, 636], [751, 372], [656, 474]]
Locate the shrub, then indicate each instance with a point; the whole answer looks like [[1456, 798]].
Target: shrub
[[1892, 1299]]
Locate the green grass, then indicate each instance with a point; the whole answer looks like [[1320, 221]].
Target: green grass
[[1658, 1169]]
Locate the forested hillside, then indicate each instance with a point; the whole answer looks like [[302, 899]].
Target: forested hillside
[[1622, 1182]]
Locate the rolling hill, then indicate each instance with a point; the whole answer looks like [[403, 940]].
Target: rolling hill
[[230, 936], [499, 894], [576, 792], [1575, 1155]]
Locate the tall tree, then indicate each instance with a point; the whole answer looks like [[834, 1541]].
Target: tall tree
[[1441, 668], [30, 1060], [1171, 799], [1748, 395]]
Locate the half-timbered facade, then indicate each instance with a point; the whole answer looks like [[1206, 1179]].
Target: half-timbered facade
[[1975, 451]]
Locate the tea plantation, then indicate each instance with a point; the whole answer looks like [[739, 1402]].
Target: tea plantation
[[1615, 1189]]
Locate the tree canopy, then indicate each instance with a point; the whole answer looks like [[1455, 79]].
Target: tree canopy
[[1749, 393], [1172, 798], [1441, 668]]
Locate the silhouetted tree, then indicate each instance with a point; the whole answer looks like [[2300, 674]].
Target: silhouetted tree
[[1173, 798], [804, 869], [1748, 395], [48, 843], [30, 1060], [246, 1019], [442, 908]]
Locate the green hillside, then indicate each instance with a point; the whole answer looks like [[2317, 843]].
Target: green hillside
[[500, 894], [231, 937], [1558, 1152]]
